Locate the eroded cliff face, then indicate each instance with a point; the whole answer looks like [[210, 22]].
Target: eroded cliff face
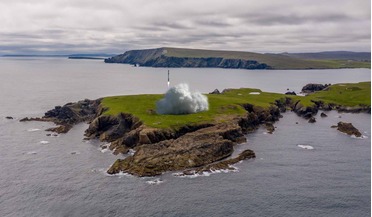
[[161, 150], [157, 58]]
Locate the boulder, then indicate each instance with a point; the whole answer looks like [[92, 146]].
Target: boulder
[[9, 117], [323, 115], [348, 128], [312, 120]]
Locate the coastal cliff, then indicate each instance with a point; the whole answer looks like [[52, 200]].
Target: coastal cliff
[[180, 57], [159, 58]]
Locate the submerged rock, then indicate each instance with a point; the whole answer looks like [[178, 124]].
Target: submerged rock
[[348, 128], [9, 117]]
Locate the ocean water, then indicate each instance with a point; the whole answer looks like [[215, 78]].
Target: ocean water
[[301, 170]]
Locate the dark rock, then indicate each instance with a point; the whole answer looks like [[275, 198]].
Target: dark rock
[[9, 117], [290, 93], [269, 127], [216, 91], [312, 120], [60, 129], [348, 128], [323, 115], [310, 88], [70, 114], [222, 165]]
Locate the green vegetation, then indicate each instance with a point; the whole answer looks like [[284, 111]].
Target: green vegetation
[[346, 94], [227, 105]]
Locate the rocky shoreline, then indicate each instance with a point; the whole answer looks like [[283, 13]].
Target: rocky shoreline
[[193, 149]]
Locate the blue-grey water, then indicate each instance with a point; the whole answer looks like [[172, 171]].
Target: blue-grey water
[[65, 176]]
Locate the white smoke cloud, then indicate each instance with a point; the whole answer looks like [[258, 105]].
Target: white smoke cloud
[[179, 100]]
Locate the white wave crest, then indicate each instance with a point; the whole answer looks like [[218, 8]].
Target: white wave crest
[[44, 142], [361, 137], [309, 147], [179, 100], [33, 130], [155, 181]]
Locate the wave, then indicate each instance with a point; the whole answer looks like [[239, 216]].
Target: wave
[[206, 173], [44, 142], [33, 130], [309, 147], [362, 137], [155, 181]]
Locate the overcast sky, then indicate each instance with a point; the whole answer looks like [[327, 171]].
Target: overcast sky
[[87, 26]]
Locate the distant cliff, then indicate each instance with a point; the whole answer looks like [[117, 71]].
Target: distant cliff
[[158, 58], [179, 57]]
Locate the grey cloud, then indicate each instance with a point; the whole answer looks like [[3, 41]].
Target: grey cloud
[[264, 26]]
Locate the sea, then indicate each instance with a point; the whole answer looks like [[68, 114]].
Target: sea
[[301, 170]]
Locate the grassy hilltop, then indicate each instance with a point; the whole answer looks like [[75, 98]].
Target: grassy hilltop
[[229, 104]]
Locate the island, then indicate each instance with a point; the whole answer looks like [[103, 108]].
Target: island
[[198, 142], [181, 57]]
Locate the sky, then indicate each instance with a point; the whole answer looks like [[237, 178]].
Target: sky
[[115, 26]]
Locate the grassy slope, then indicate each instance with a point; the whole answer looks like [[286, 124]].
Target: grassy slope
[[277, 61], [228, 104]]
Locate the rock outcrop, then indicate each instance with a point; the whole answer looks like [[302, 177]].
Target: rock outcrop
[[222, 165], [158, 151], [348, 128], [70, 114], [191, 150], [310, 88]]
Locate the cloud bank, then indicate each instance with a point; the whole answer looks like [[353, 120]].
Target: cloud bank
[[67, 26], [179, 100]]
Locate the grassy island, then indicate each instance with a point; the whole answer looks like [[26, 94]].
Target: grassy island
[[199, 142], [229, 104]]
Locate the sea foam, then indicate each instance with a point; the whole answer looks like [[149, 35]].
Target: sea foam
[[309, 147], [33, 130]]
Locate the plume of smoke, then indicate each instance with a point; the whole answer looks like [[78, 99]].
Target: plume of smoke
[[179, 100]]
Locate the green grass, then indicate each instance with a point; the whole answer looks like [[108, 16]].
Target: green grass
[[346, 94], [225, 106]]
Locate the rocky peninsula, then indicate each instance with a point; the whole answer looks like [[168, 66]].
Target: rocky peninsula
[[199, 142]]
